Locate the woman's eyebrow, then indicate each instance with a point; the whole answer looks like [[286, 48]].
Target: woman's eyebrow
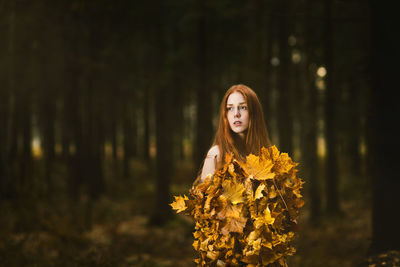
[[239, 104]]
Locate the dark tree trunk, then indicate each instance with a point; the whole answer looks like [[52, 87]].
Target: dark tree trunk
[[178, 119], [45, 59], [73, 132], [114, 127], [129, 130], [73, 115], [146, 126], [332, 179], [65, 133], [48, 101], [164, 158], [310, 154], [177, 94], [93, 141], [310, 118], [12, 181], [268, 36], [354, 131], [6, 91], [285, 115], [383, 135], [26, 157], [89, 158], [203, 104], [4, 104]]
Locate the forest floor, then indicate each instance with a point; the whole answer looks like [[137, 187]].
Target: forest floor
[[39, 231]]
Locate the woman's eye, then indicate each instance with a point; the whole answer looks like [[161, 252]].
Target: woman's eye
[[229, 108], [243, 107]]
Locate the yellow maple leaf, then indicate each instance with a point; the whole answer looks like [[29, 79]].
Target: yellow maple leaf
[[258, 169], [179, 204], [272, 152], [233, 191]]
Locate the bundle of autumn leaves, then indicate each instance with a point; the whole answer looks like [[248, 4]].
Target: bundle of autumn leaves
[[246, 212]]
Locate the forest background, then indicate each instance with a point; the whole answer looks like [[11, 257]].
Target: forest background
[[107, 109]]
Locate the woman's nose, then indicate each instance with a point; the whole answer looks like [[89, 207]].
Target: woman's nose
[[237, 113]]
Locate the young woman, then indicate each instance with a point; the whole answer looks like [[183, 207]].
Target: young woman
[[241, 129]]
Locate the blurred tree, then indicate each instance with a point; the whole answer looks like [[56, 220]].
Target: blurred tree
[[146, 126], [114, 124], [332, 179], [284, 113], [310, 118], [204, 128], [21, 90], [265, 21], [7, 79], [4, 183], [129, 131], [72, 108], [47, 52], [383, 135], [163, 119]]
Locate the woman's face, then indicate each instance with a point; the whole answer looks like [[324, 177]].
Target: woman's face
[[237, 113]]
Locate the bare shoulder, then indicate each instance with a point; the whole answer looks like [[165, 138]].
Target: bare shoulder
[[213, 152], [210, 161]]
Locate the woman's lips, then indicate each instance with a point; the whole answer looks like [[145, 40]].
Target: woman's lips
[[237, 123]]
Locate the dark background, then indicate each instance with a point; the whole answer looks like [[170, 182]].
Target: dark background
[[107, 109]]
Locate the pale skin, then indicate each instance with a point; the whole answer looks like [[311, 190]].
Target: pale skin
[[238, 119]]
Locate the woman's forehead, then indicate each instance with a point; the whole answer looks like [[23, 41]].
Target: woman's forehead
[[236, 98]]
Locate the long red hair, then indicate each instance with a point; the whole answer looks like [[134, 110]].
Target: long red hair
[[256, 135]]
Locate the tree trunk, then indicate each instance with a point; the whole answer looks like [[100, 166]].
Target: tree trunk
[[12, 128], [114, 127], [73, 115], [285, 115], [383, 135], [93, 128], [332, 179], [268, 40], [203, 97], [4, 102], [26, 159], [164, 158], [7, 48], [178, 119], [129, 135], [48, 119], [354, 131], [146, 121], [310, 118]]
